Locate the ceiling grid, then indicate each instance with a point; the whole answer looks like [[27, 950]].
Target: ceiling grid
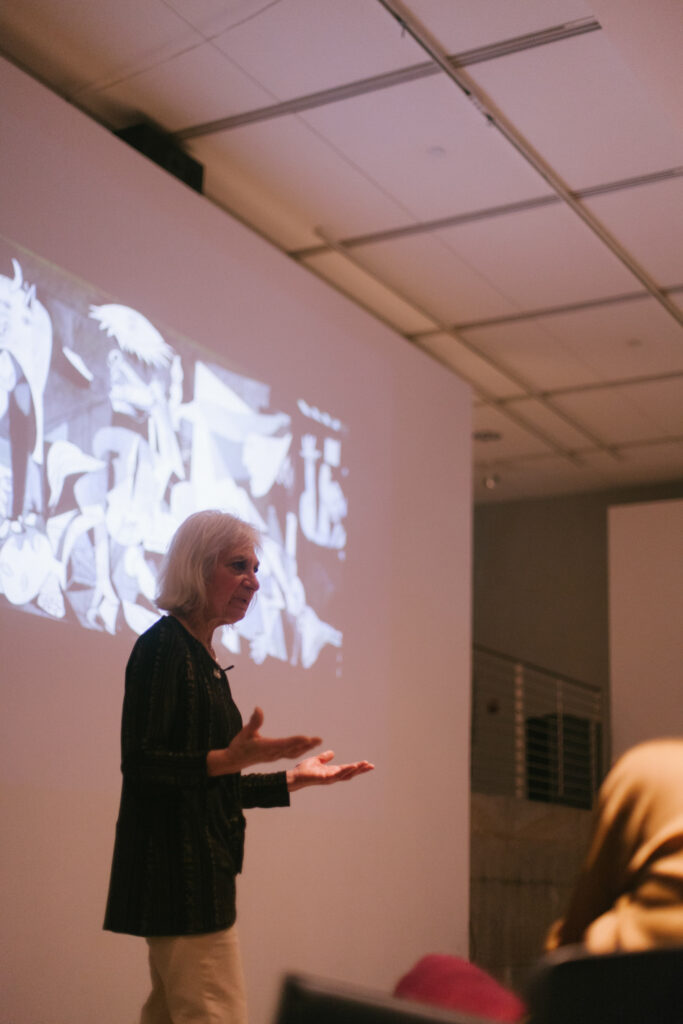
[[512, 205]]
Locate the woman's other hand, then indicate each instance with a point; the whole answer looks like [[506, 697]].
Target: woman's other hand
[[317, 771], [249, 748]]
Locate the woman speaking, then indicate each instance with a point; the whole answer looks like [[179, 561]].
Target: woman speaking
[[180, 830]]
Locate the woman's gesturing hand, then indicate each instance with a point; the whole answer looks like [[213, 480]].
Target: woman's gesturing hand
[[249, 748], [317, 771]]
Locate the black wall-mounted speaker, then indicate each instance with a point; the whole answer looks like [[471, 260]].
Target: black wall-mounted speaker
[[161, 148]]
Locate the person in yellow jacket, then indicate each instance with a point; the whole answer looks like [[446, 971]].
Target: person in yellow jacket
[[629, 895]]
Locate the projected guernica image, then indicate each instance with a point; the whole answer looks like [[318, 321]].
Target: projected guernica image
[[112, 433]]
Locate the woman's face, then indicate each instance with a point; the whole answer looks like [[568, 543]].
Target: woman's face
[[231, 586]]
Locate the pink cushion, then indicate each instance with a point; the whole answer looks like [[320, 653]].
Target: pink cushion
[[451, 982]]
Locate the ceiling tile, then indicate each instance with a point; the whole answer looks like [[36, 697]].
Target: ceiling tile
[[650, 463], [532, 352], [648, 221], [437, 277], [613, 342], [288, 161], [78, 45], [579, 105], [304, 46], [569, 431], [661, 401], [199, 85], [515, 439], [475, 369], [429, 148], [211, 17], [619, 418], [541, 476], [353, 281], [649, 37], [542, 257]]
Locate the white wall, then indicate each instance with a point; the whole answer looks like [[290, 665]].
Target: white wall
[[351, 882], [646, 621]]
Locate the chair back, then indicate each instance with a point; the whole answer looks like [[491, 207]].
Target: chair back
[[571, 986]]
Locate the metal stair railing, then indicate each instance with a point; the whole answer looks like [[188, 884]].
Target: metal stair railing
[[536, 734]]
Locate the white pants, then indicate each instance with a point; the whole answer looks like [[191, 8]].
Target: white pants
[[196, 979]]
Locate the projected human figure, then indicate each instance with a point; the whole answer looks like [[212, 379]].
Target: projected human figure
[[25, 351], [142, 453], [322, 506], [282, 609]]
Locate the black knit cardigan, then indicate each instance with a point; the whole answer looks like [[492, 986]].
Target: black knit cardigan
[[180, 834]]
